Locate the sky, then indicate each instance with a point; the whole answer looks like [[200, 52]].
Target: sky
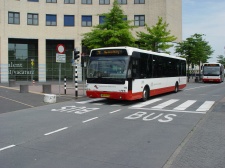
[[205, 17]]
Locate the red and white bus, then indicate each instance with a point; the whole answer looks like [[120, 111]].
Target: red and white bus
[[213, 72], [127, 73]]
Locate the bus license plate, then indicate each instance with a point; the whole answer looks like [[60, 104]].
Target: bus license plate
[[105, 95]]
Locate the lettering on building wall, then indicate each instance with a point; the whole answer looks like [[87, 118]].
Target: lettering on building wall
[[11, 65], [19, 71]]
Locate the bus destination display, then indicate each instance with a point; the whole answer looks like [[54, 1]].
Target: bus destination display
[[109, 52]]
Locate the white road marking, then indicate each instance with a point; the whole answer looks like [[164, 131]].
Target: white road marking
[[61, 129], [206, 106], [90, 119], [114, 111], [91, 100], [175, 111], [16, 101], [198, 87], [146, 103], [98, 104], [7, 147], [167, 103], [185, 105]]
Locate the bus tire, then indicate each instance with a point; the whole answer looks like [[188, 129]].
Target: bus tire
[[145, 94], [176, 88]]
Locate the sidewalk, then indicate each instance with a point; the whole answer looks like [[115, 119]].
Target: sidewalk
[[59, 90], [204, 147]]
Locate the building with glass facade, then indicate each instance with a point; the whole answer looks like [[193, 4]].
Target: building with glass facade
[[30, 30]]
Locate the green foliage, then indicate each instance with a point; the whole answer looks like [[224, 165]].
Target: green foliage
[[115, 31], [195, 49], [221, 59], [157, 37]]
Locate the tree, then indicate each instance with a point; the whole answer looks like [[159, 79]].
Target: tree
[[221, 59], [195, 49], [114, 31], [157, 37]]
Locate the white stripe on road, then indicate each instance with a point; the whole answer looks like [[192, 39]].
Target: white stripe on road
[[185, 105], [7, 147], [61, 129], [90, 119], [114, 111], [167, 103], [206, 106], [91, 100], [146, 103], [16, 101]]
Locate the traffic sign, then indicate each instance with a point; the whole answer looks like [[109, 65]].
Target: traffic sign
[[61, 58], [32, 62], [60, 49]]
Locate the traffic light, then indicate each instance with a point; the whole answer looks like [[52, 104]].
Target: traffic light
[[76, 54]]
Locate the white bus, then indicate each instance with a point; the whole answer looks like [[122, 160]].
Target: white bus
[[212, 72], [127, 73]]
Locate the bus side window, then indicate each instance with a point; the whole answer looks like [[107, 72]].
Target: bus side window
[[135, 68], [144, 67]]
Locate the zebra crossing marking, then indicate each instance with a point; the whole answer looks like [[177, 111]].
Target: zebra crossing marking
[[180, 108], [206, 106], [185, 105], [167, 103], [146, 103]]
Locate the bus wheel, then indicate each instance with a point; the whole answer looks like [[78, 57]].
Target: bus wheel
[[145, 94], [176, 88]]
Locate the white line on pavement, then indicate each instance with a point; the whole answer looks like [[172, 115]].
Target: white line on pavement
[[7, 147], [61, 129], [90, 119], [114, 111], [16, 101]]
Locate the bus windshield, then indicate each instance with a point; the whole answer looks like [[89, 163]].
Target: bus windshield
[[108, 67], [211, 71]]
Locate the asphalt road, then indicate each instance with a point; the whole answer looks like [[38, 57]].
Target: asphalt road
[[97, 133]]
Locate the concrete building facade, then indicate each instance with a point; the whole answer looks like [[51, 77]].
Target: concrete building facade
[[30, 30]]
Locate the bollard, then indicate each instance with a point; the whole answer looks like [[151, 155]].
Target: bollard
[[12, 83], [64, 84], [75, 81], [196, 79], [24, 89], [46, 88]]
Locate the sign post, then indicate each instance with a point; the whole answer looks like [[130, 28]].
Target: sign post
[[60, 58]]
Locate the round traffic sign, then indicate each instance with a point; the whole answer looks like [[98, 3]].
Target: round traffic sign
[[60, 49]]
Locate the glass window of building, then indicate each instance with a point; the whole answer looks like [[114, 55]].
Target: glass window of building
[[32, 19], [104, 2], [14, 18], [86, 1], [69, 20], [51, 20], [69, 1], [101, 19], [23, 59], [51, 1], [33, 0], [122, 1], [86, 21], [139, 20], [139, 1]]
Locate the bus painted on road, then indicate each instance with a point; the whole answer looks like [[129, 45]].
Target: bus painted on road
[[212, 72], [127, 73]]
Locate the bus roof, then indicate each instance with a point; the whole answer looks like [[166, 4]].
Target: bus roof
[[130, 50]]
